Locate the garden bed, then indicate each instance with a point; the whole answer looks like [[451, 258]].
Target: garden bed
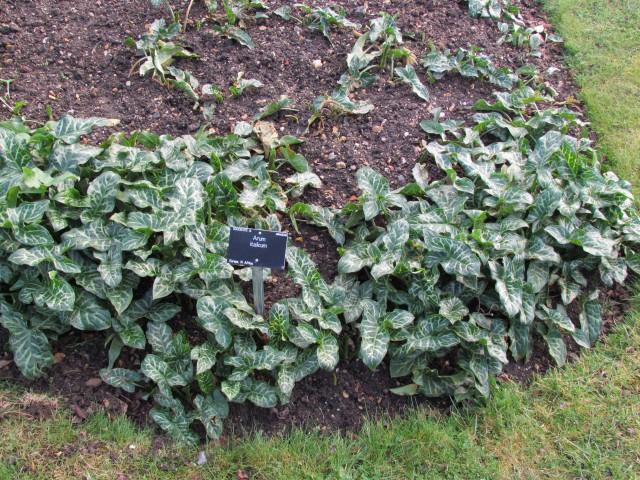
[[69, 57]]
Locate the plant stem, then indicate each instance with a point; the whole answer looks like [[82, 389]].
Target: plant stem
[[186, 16]]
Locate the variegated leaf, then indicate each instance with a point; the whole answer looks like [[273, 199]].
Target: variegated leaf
[[211, 317], [374, 338], [121, 378], [557, 347], [31, 351], [263, 395], [453, 309], [69, 129], [408, 75], [27, 212], [327, 352]]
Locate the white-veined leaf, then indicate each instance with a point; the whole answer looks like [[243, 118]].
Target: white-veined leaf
[[327, 352], [374, 338], [121, 378], [408, 75], [69, 129]]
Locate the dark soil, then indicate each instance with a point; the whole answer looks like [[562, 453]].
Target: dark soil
[[68, 57]]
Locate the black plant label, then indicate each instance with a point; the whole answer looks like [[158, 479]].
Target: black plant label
[[257, 248]]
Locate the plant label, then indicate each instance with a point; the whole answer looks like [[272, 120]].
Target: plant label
[[257, 248]]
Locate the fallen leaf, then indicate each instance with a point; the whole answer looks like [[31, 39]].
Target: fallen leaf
[[58, 357], [4, 363], [78, 412], [93, 382]]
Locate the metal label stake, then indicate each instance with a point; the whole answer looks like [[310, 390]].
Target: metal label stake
[[258, 290], [258, 249]]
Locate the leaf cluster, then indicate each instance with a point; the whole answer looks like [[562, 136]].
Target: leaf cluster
[[447, 278], [115, 237], [516, 32]]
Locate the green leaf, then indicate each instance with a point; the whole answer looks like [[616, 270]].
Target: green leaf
[[330, 321], [33, 235], [456, 258], [374, 338], [160, 372], [206, 382], [509, 278], [110, 267], [557, 316], [88, 314], [357, 258], [284, 103], [102, 192], [591, 317], [163, 286], [286, 380], [70, 129], [211, 317], [31, 352], [120, 297], [206, 356], [159, 336], [263, 395], [557, 348], [426, 339], [545, 204], [121, 378], [176, 425], [520, 341], [453, 309], [211, 409], [188, 196], [399, 318], [130, 333], [302, 180], [58, 295], [546, 146], [328, 352], [27, 212], [305, 273], [408, 75], [68, 158], [163, 312]]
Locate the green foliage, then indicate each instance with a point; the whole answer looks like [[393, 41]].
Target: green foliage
[[458, 272], [114, 237], [516, 32], [468, 63], [5, 98], [322, 18], [241, 84], [486, 8], [441, 278], [233, 18], [157, 52]]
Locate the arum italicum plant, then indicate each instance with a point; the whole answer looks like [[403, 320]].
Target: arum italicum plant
[[110, 237], [449, 278]]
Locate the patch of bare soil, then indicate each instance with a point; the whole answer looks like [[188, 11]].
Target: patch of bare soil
[[68, 57]]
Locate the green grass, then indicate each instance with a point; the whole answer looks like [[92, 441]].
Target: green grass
[[582, 421], [602, 38]]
